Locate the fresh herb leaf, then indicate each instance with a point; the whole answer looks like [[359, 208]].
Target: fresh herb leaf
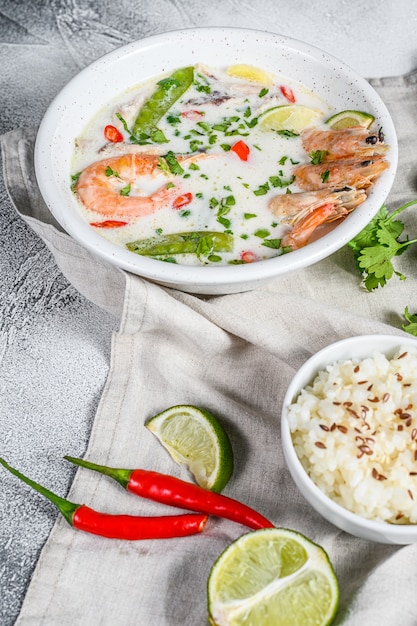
[[317, 156], [125, 191], [272, 243], [377, 244], [263, 92], [262, 189], [262, 233], [325, 176], [111, 172], [411, 327], [172, 163], [74, 180]]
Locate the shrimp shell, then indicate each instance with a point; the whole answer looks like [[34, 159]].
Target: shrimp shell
[[340, 173], [293, 207], [356, 141], [99, 185]]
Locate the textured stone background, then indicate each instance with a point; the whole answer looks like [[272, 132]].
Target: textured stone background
[[54, 344]]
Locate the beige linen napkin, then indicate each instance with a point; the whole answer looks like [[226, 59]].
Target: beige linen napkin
[[234, 355]]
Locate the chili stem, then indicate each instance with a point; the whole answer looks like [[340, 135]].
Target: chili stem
[[64, 506]]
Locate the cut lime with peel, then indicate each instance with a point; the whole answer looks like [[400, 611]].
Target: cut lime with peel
[[272, 577], [290, 117], [349, 118], [250, 73], [195, 438]]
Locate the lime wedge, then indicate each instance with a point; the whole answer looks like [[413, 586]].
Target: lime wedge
[[272, 577], [195, 438], [292, 117], [347, 119], [250, 73]]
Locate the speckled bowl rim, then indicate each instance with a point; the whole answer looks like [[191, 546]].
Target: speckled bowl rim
[[85, 94], [352, 347]]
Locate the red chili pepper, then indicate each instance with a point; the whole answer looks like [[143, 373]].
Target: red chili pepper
[[112, 134], [241, 149], [176, 492], [118, 526], [108, 224], [182, 200], [288, 93]]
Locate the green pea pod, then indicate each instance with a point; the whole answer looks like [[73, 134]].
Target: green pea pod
[[202, 243], [168, 91]]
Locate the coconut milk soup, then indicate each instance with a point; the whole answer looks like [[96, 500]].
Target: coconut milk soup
[[207, 167]]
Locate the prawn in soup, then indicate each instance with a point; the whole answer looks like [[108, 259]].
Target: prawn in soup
[[194, 167]]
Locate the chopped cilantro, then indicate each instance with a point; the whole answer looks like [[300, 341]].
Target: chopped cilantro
[[263, 92], [249, 216], [125, 191], [262, 233], [111, 172], [172, 163], [262, 189], [272, 243], [74, 180], [317, 156], [325, 176]]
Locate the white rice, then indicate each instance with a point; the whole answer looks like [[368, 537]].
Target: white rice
[[355, 432]]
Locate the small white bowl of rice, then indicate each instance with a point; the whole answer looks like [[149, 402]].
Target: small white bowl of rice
[[349, 435]]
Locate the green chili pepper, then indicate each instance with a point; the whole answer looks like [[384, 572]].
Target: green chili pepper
[[197, 242], [168, 91]]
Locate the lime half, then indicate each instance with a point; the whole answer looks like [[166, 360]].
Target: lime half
[[272, 577], [250, 73], [292, 117], [347, 119], [195, 438]]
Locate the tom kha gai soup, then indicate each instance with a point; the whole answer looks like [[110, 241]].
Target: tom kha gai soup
[[215, 166]]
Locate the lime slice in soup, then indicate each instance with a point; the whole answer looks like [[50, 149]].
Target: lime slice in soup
[[290, 117], [347, 119]]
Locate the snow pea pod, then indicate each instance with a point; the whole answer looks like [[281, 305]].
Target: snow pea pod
[[158, 104], [197, 242]]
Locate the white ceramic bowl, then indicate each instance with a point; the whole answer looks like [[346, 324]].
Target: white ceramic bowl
[[128, 66], [354, 347]]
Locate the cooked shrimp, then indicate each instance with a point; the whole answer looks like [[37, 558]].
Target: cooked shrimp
[[355, 142], [293, 207], [100, 185], [300, 235], [350, 173]]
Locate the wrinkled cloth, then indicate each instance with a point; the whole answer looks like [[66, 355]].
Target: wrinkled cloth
[[234, 355]]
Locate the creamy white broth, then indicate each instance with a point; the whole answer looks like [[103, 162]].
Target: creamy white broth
[[221, 174]]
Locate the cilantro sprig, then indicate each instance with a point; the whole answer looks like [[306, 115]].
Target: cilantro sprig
[[411, 326], [377, 244]]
